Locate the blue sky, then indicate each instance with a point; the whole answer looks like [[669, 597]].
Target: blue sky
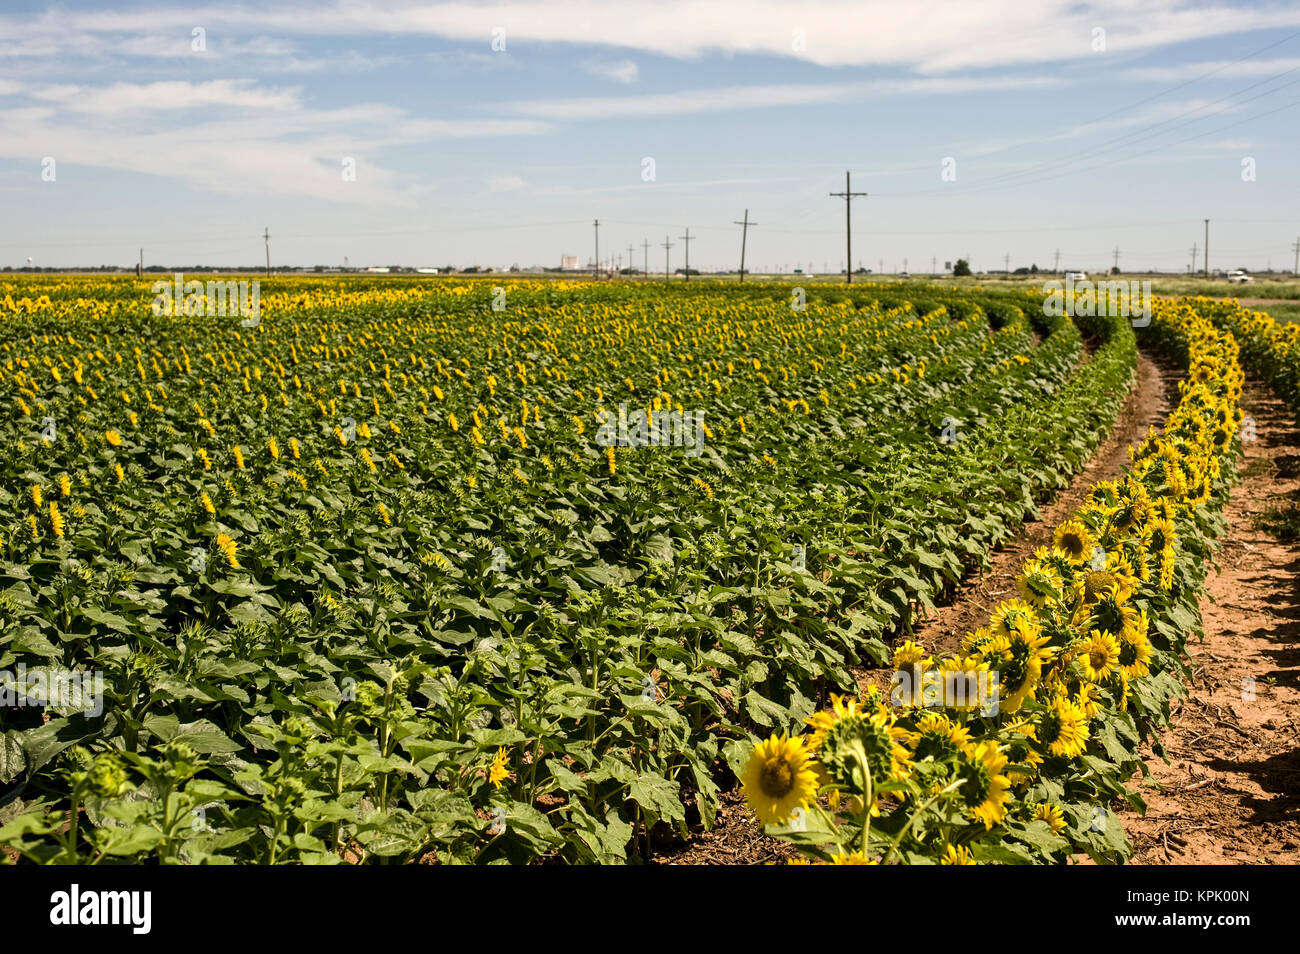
[[1074, 125]]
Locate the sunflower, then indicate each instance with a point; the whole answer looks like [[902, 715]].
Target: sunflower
[[1076, 540], [1039, 583], [1014, 617], [1063, 728], [1110, 615], [938, 738], [822, 722], [984, 786], [968, 683], [1099, 656], [869, 730], [956, 855], [1055, 818], [851, 858], [498, 772], [778, 778], [1135, 650], [1018, 660]]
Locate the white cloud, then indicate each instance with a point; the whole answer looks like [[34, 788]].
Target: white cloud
[[936, 36], [9, 87], [505, 184], [169, 95], [620, 71], [726, 98]]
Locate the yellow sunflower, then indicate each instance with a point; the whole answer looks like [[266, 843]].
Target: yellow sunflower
[[956, 855], [1051, 814], [778, 778], [1063, 728], [984, 786], [1099, 655], [1076, 540]]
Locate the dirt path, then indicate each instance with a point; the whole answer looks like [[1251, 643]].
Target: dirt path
[[1231, 791]]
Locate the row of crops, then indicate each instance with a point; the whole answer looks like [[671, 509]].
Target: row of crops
[[1087, 660], [446, 571]]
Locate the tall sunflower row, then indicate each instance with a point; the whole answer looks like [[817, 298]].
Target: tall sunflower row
[[1013, 748]]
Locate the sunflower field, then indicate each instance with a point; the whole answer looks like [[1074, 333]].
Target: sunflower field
[[456, 572]]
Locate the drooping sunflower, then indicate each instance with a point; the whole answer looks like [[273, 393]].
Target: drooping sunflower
[[1135, 650], [938, 738], [1063, 728], [869, 731], [1040, 583], [984, 786], [822, 722], [1018, 661], [779, 777], [1055, 818], [1099, 656]]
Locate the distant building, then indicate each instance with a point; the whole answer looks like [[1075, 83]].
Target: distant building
[[427, 271], [568, 263], [380, 269]]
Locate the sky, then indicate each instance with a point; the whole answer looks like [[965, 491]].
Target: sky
[[494, 134]]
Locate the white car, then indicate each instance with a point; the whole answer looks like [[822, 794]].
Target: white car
[[1075, 276], [1239, 277]]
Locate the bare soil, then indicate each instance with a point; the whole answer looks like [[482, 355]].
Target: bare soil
[[1230, 793]]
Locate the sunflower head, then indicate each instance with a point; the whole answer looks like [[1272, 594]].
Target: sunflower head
[[1098, 656], [984, 788], [865, 733], [779, 777], [1075, 540]]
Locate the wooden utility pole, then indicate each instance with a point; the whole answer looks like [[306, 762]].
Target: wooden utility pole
[[1057, 266], [666, 246], [1193, 257], [266, 237], [744, 233], [596, 262], [1207, 248], [645, 253], [631, 249], [687, 238], [848, 195], [139, 269], [1296, 248], [1116, 269]]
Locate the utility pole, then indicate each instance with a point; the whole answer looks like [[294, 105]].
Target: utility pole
[[666, 246], [630, 250], [848, 196], [1056, 267], [645, 254], [1116, 270], [1207, 248], [1296, 248], [1007, 263], [934, 265], [1193, 257], [744, 234], [266, 237], [687, 238], [139, 269], [595, 223]]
